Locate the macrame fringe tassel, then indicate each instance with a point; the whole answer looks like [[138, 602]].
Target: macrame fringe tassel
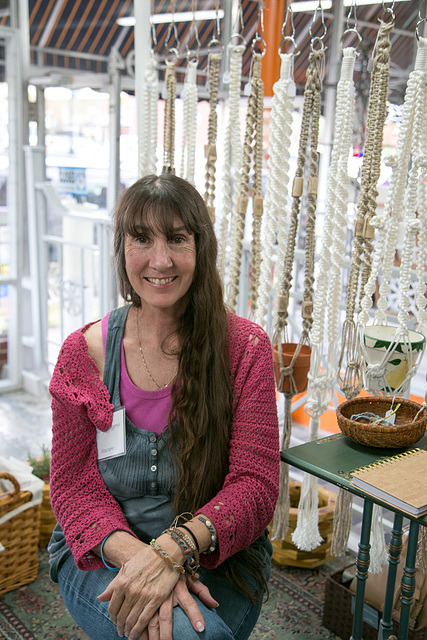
[[306, 535], [281, 515], [421, 560], [378, 547], [342, 523]]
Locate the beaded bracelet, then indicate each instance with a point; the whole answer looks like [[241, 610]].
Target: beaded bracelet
[[192, 561], [102, 547], [165, 555], [209, 525]]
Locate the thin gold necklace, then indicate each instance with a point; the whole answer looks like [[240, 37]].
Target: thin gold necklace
[[159, 386]]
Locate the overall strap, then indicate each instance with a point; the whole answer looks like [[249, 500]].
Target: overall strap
[[116, 324]]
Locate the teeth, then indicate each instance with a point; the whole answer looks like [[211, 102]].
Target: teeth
[[160, 280]]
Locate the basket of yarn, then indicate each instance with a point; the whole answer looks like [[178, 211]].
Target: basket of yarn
[[387, 422]]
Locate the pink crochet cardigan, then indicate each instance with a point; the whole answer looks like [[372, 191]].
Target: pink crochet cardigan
[[242, 509]]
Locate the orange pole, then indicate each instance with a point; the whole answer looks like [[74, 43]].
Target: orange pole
[[274, 16]]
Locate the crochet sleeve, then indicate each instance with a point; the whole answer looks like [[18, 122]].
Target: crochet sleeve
[[245, 505], [83, 506]]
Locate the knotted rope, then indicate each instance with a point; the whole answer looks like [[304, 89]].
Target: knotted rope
[[210, 148], [233, 154], [309, 134], [276, 195], [350, 382], [406, 200], [321, 378], [169, 119], [147, 159], [252, 142], [189, 96]]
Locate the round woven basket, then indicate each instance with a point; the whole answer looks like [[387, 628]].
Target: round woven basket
[[402, 434]]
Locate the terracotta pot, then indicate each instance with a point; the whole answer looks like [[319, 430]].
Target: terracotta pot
[[301, 365]]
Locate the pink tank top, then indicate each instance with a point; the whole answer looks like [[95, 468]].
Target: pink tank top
[[146, 409]]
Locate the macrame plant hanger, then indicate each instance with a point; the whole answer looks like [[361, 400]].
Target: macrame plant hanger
[[274, 224], [252, 146], [170, 86], [233, 150], [324, 353], [147, 160], [214, 63], [351, 381], [285, 372], [189, 96], [406, 203]]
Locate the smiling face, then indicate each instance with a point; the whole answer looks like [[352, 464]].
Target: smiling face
[[160, 264]]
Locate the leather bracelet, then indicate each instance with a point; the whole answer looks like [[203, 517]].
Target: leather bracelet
[[182, 526]]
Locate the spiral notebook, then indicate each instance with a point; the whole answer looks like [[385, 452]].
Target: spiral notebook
[[400, 480]]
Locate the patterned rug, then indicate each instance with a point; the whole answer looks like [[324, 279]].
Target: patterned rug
[[294, 610]]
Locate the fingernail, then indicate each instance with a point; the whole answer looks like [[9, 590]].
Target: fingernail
[[216, 604], [200, 626]]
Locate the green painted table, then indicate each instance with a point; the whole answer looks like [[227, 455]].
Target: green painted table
[[333, 459]]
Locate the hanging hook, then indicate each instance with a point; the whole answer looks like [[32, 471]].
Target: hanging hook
[[318, 39], [351, 30], [421, 19], [288, 38], [389, 11], [216, 38], [237, 33], [153, 26], [193, 54], [258, 38], [172, 29]]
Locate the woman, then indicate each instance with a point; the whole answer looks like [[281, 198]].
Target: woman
[[167, 538]]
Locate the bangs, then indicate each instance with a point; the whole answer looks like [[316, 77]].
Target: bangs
[[154, 216]]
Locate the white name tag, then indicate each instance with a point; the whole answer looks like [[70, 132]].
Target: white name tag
[[112, 443]]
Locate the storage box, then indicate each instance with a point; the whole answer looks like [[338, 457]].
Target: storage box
[[338, 612], [19, 536]]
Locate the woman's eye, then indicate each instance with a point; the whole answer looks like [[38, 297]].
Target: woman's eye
[[178, 240], [141, 239]]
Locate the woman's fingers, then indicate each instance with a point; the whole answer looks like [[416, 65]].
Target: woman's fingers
[[202, 592], [153, 629], [165, 619], [184, 599]]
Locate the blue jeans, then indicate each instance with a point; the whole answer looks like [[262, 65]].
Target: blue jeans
[[234, 619]]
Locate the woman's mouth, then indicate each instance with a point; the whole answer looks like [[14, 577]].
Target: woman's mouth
[[161, 280]]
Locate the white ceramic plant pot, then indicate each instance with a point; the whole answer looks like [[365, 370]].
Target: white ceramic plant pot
[[378, 339]]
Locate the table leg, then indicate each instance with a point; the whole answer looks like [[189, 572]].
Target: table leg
[[408, 581], [394, 550], [362, 566]]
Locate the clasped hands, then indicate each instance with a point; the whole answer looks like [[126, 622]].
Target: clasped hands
[[144, 592]]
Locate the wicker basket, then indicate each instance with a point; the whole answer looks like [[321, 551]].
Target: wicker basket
[[403, 433], [19, 536], [47, 518], [286, 553]]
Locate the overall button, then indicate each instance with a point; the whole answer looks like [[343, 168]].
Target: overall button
[[154, 485], [153, 467], [153, 438], [153, 452]]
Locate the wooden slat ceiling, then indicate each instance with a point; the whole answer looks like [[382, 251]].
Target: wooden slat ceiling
[[78, 35]]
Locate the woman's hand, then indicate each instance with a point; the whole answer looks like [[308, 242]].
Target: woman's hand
[[160, 626], [138, 591]]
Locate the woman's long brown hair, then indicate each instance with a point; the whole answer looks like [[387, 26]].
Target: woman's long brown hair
[[202, 401]]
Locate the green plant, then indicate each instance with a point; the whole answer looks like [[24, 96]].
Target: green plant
[[41, 464]]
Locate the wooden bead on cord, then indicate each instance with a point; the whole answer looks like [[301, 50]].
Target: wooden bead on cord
[[297, 187], [258, 205], [312, 186], [368, 231], [282, 304], [358, 227], [307, 309], [210, 152], [242, 204]]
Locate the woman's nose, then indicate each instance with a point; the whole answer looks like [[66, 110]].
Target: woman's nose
[[160, 256]]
